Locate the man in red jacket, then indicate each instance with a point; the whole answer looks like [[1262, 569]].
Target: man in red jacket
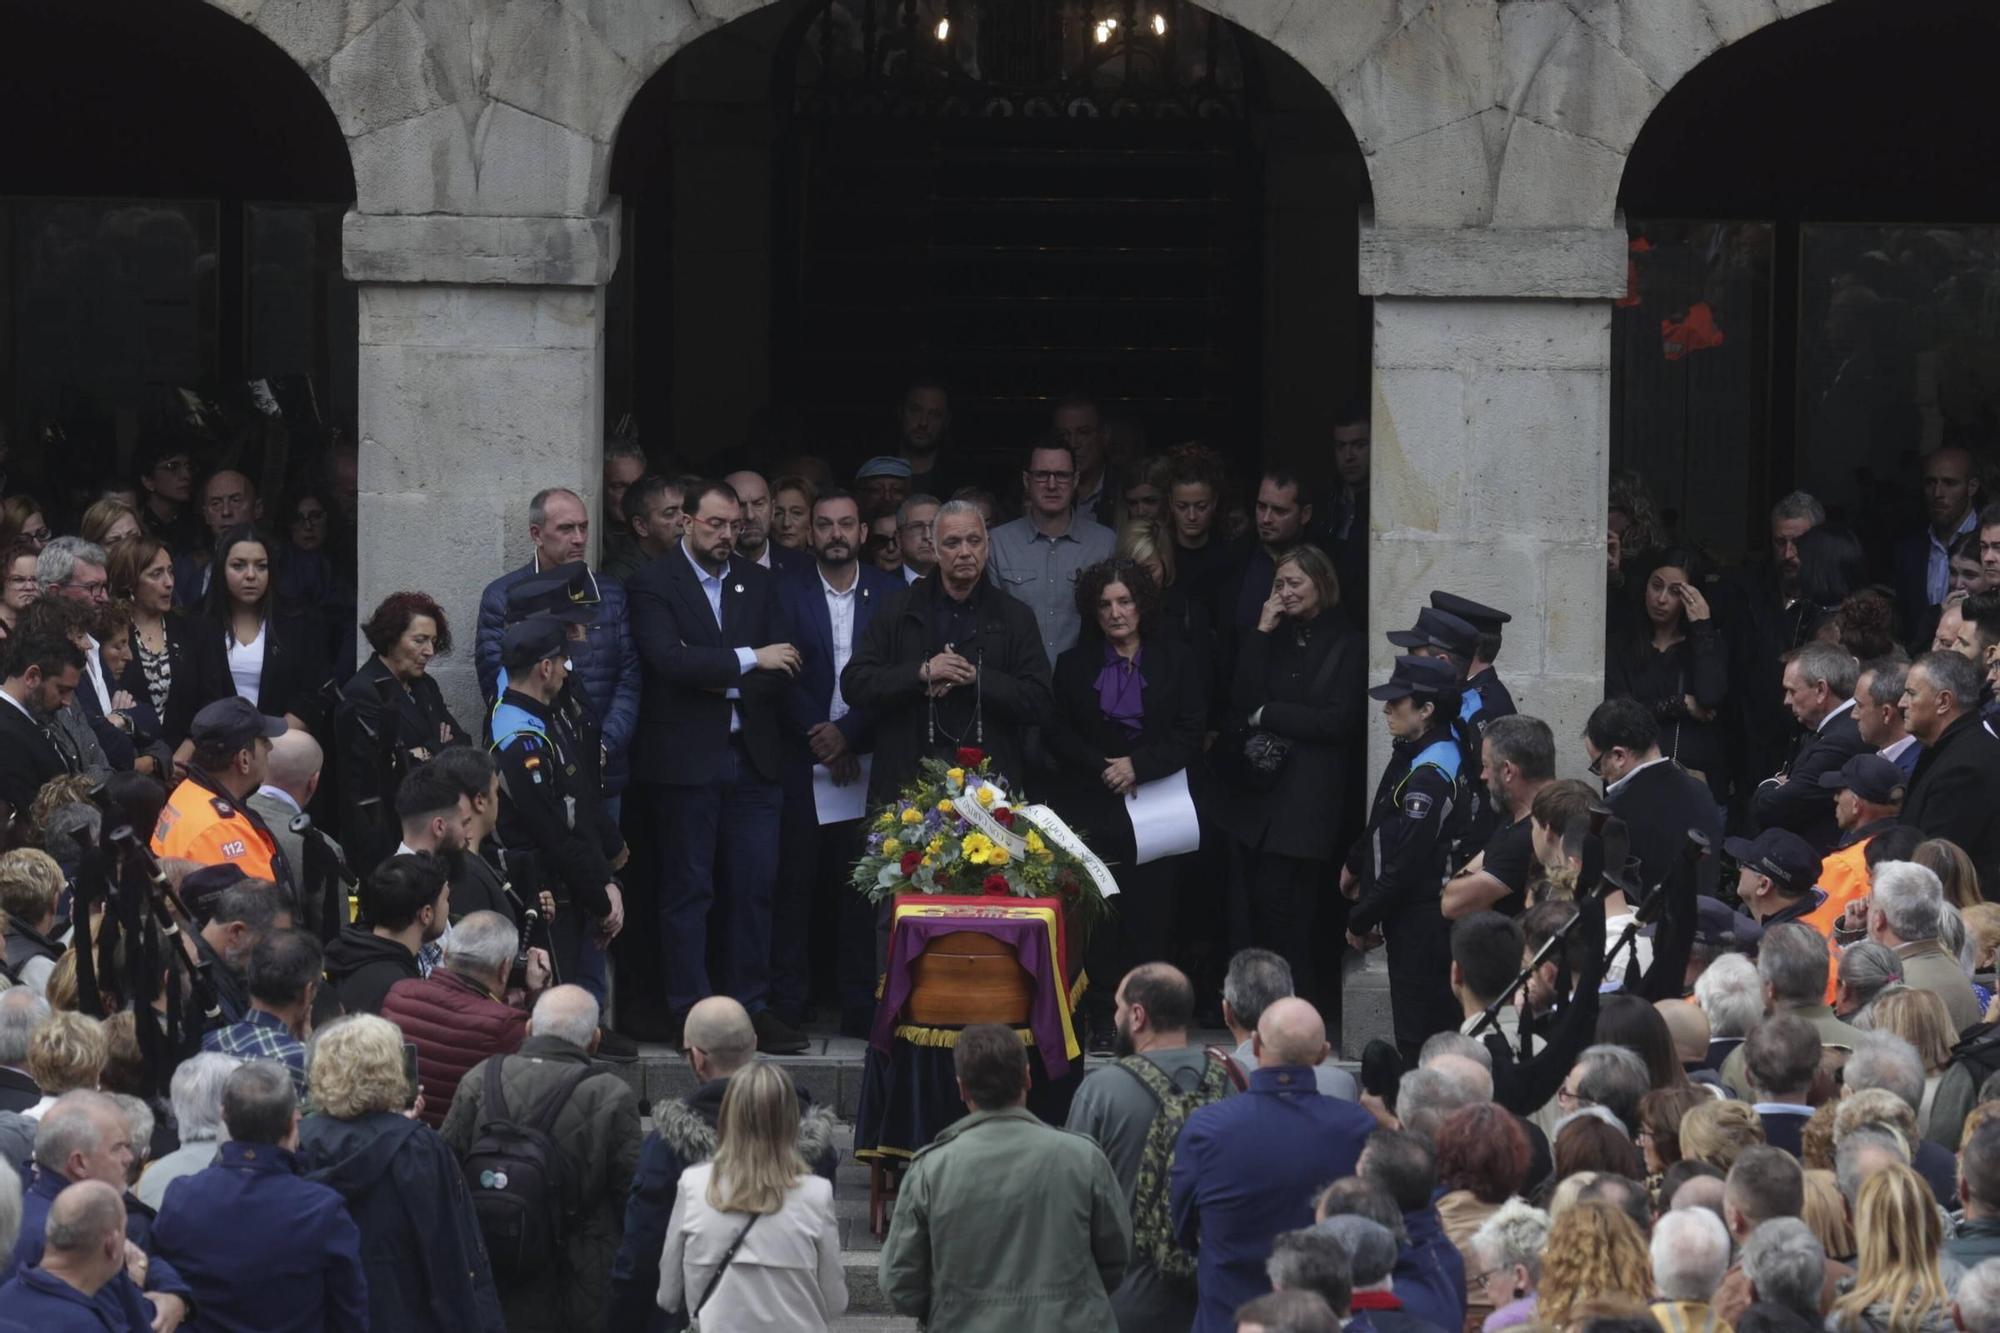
[[459, 1015]]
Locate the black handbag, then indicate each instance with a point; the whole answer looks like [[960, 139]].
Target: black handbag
[[1252, 759]]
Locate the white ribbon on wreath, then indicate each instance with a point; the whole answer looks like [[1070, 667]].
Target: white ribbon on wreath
[[1046, 820]]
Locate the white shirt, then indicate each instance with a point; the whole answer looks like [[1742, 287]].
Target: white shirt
[[246, 662], [840, 613], [93, 666], [910, 575], [1845, 705], [746, 658], [1619, 785], [1893, 751], [23, 707], [284, 798], [1937, 566]]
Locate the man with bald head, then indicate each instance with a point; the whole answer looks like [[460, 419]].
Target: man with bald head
[[72, 1290], [1246, 1167], [719, 1040], [753, 538], [291, 776], [1158, 1073]]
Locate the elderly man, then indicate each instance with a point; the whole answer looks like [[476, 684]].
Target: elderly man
[[291, 779], [1868, 792], [80, 1285], [719, 1039], [1952, 787], [1783, 1271], [196, 1095], [261, 1246], [916, 518], [953, 663], [1037, 556], [1690, 1255], [981, 1245], [753, 536], [1878, 712], [1373, 1305], [1236, 1175], [1256, 980], [22, 1011], [1886, 1061], [1764, 1184], [1819, 691], [459, 1015], [1904, 913], [1792, 962], [597, 1130], [84, 1136]]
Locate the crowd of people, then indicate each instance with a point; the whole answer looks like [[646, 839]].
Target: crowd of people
[[308, 979]]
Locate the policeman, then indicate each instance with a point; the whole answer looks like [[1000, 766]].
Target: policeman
[[549, 802], [206, 820], [1485, 697], [1395, 873]]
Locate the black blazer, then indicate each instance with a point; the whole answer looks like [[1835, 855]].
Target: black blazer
[[295, 665], [1800, 803], [1080, 738], [1301, 816], [687, 661], [420, 721], [27, 759], [1659, 804], [1951, 793], [184, 696]]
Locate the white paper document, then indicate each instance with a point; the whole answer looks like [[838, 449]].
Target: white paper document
[[838, 804], [1163, 818]]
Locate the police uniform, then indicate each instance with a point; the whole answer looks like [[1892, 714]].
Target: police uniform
[[1401, 860], [1441, 631], [1485, 696], [203, 823], [551, 810]]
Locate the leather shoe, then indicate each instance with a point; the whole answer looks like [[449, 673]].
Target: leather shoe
[[616, 1047], [777, 1037]]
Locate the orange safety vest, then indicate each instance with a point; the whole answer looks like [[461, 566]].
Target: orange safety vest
[[202, 826], [1843, 877]]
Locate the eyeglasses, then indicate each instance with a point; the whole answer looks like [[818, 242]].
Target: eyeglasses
[[173, 465], [40, 536], [1597, 764], [309, 516], [93, 588], [1051, 478], [1575, 1101], [1482, 1278]]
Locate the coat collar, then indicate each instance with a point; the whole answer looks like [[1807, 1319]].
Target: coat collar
[[259, 1158], [555, 1050], [978, 1118]]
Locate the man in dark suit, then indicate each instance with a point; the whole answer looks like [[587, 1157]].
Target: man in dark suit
[[1781, 1057], [1659, 800], [40, 676], [711, 754], [1819, 690], [753, 537], [827, 611], [1923, 559], [1951, 792]]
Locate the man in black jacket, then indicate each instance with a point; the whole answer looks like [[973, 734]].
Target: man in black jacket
[[1951, 793], [1819, 690], [40, 676], [710, 752], [1660, 801], [952, 663]]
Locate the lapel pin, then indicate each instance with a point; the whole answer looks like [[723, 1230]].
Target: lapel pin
[[739, 587]]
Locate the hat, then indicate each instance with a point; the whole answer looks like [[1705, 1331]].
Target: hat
[[566, 592], [1417, 675], [200, 888], [883, 465], [1782, 855], [533, 640], [1874, 779], [1438, 629], [1721, 926], [1476, 614], [231, 724]]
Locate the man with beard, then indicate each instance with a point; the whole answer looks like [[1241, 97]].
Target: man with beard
[[1517, 760], [41, 675], [925, 427], [1951, 510], [434, 812], [829, 610], [753, 539], [1284, 509], [1158, 1073], [409, 902]]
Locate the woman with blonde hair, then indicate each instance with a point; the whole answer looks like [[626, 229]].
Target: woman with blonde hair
[[109, 522], [1954, 869], [1594, 1252], [752, 1242], [1896, 1287], [1825, 1212], [1920, 1018], [420, 1241], [1717, 1132]]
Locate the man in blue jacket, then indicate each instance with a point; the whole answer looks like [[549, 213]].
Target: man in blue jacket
[[1430, 1272], [605, 661], [1247, 1167], [264, 1249], [73, 1290]]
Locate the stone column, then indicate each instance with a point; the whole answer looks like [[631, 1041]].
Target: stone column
[[481, 382], [1492, 420]]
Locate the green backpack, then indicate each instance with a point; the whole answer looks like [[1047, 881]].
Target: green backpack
[[1152, 1213]]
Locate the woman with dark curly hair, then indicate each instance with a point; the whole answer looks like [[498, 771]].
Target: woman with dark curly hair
[[392, 715], [1482, 1161], [1129, 709], [1674, 660]]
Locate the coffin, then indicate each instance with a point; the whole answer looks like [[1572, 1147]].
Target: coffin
[[969, 977]]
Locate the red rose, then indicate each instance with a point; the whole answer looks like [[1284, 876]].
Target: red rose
[[911, 860], [996, 886], [1004, 817], [969, 757]]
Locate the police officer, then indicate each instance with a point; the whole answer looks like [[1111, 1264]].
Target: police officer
[[1442, 636], [549, 802], [1395, 873], [1485, 696]]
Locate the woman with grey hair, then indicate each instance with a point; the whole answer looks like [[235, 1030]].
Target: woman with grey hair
[[196, 1093], [1509, 1245], [1866, 970]]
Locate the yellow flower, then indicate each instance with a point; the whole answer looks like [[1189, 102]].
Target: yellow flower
[[957, 776], [937, 846], [892, 848], [1035, 843], [986, 797], [912, 817], [926, 861], [975, 856], [998, 856], [944, 808]]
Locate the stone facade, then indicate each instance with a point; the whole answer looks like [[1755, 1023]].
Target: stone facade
[[1495, 133]]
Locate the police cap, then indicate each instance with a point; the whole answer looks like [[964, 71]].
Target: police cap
[[1476, 614], [1438, 629], [566, 592], [1422, 676], [533, 640]]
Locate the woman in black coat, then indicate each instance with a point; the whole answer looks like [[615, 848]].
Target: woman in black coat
[[162, 673], [247, 644], [391, 717], [1676, 663], [1129, 709], [1300, 675]]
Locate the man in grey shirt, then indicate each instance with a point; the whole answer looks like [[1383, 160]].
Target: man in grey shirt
[[1256, 980], [1116, 1110], [1037, 556]]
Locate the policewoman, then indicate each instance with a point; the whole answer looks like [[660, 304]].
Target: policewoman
[[550, 805], [1395, 873]]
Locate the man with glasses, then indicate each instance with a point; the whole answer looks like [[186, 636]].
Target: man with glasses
[[1037, 557], [228, 500], [74, 570], [1660, 801], [166, 479]]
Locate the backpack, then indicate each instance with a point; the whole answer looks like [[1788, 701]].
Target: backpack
[[514, 1170], [1152, 1215]]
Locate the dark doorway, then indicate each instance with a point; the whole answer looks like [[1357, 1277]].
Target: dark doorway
[[827, 198], [170, 203], [1816, 270]]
